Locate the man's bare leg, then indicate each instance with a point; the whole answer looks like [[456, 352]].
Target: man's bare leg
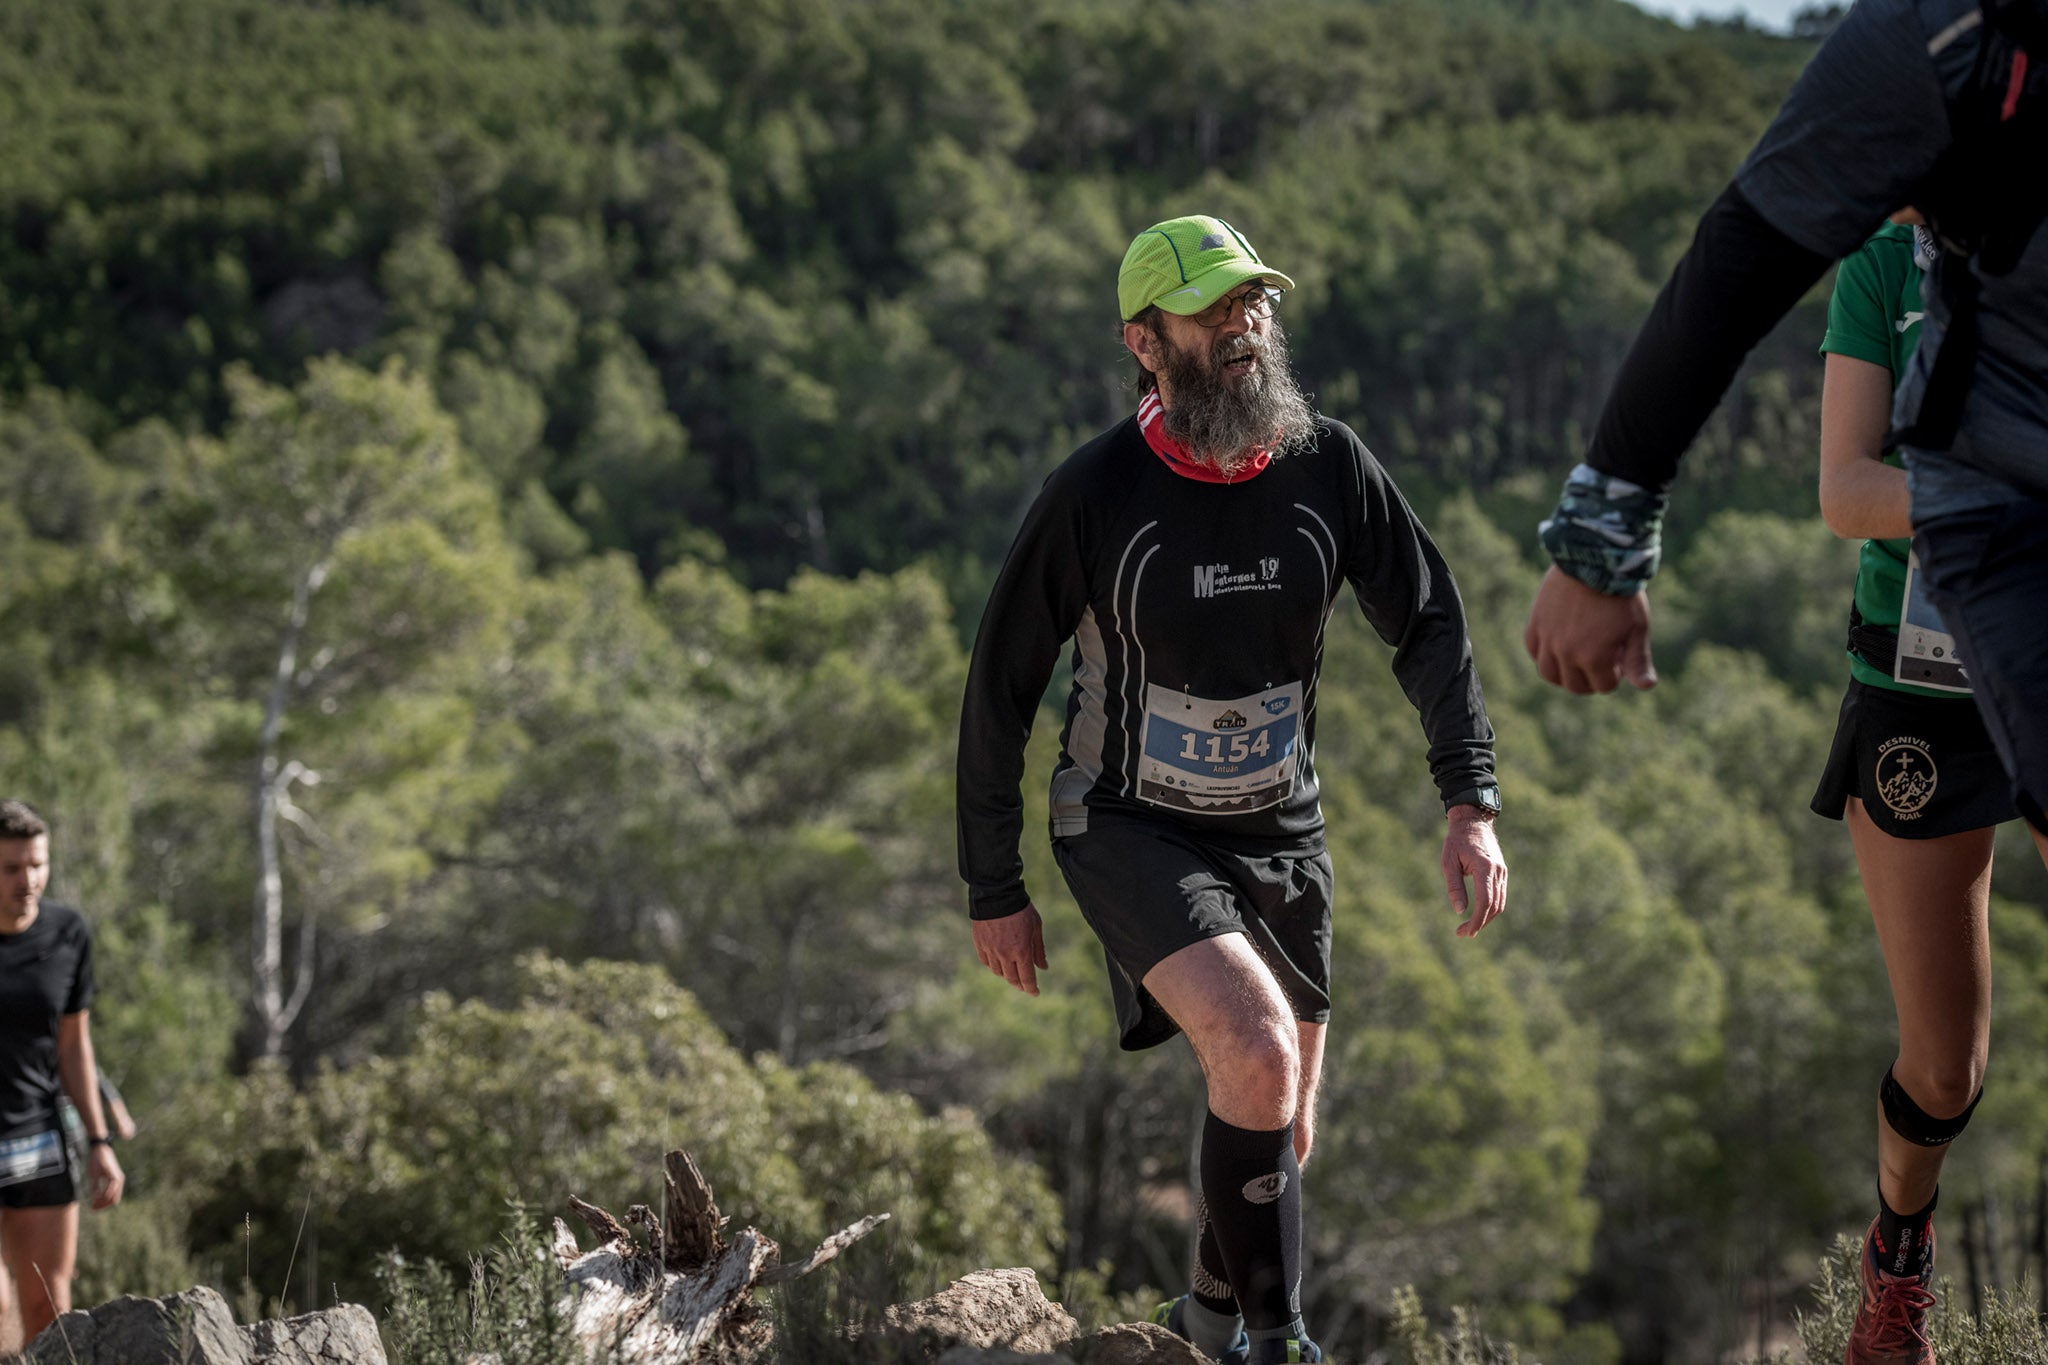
[[1245, 1036], [1225, 999], [1310, 1041]]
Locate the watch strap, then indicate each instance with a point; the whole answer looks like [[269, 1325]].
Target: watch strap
[[1486, 798]]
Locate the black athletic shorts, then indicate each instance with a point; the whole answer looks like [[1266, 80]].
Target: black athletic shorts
[[35, 1172], [1150, 889], [1922, 766]]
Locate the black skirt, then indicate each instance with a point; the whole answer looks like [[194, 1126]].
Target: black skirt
[[1923, 767]]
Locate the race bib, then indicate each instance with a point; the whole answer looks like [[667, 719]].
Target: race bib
[[1220, 757], [35, 1157], [1927, 652]]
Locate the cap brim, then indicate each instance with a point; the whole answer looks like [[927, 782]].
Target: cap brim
[[1206, 288]]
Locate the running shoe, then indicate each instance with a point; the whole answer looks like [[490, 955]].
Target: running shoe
[[1171, 1314], [1891, 1322], [1285, 1350]]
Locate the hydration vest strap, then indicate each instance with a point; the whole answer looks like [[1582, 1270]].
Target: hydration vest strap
[[1875, 645], [1983, 200]]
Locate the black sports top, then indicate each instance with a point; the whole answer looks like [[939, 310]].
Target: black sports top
[[1197, 613], [45, 973]]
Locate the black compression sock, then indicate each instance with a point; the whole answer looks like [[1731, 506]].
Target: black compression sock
[[1904, 1242], [1212, 1277], [1253, 1187]]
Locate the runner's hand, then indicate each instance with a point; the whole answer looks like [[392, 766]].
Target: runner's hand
[[1013, 947], [1470, 850], [1585, 641], [107, 1178]]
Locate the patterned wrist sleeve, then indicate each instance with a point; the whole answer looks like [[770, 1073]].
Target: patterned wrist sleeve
[[1606, 532]]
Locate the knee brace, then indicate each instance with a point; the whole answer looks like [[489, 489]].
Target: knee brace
[[1915, 1124]]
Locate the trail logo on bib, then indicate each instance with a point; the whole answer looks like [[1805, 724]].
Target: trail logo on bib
[[1906, 775], [1266, 1188]]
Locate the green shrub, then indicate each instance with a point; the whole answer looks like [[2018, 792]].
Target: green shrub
[[1464, 1344], [509, 1305], [579, 1088], [2008, 1333]]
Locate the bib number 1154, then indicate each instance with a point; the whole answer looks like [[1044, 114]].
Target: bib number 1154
[[1225, 748], [1220, 757]]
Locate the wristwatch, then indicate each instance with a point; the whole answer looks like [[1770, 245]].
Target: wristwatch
[[1486, 798]]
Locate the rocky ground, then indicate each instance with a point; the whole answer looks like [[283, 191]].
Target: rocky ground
[[989, 1317]]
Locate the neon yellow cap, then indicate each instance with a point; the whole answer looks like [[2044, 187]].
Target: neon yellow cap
[[1185, 264]]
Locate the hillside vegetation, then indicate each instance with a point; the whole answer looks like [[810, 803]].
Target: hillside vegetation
[[526, 471]]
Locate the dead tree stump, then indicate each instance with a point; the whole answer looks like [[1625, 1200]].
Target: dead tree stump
[[686, 1294]]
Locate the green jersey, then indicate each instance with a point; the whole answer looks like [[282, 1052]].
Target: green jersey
[[1874, 315]]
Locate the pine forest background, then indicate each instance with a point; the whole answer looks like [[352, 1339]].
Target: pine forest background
[[496, 496]]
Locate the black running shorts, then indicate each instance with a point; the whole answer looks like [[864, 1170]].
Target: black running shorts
[[37, 1174], [1150, 889], [1922, 766]]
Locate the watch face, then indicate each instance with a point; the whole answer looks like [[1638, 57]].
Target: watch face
[[1482, 798]]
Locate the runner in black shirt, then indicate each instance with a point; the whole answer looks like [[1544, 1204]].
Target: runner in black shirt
[[1194, 553], [1937, 105], [1940, 106], [46, 987]]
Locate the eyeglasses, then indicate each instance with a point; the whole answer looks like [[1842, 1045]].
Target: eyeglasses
[[1258, 304]]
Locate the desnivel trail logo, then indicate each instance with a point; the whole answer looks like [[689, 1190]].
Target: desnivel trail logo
[[1906, 775]]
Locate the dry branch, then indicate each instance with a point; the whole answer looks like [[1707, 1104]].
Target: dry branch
[[687, 1295]]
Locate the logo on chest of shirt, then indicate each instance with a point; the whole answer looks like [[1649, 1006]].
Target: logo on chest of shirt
[[1214, 580]]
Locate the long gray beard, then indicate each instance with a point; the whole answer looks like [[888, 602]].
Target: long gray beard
[[1221, 423]]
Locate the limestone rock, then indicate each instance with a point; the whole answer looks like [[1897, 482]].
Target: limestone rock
[[975, 1355], [193, 1328], [1129, 1343], [1136, 1343], [345, 1334], [196, 1328], [1002, 1309]]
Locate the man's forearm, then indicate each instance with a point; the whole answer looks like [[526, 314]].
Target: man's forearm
[[79, 1072]]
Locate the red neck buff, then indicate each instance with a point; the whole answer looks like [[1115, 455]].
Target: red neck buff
[[1151, 421]]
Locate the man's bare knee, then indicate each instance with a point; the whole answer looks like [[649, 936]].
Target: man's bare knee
[[1253, 1076], [1236, 1017]]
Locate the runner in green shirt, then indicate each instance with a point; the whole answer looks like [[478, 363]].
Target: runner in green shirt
[[1917, 779]]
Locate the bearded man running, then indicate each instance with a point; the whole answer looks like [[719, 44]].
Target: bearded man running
[[1194, 553]]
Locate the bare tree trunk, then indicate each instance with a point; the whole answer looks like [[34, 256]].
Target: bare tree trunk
[[275, 1014], [1971, 1265], [789, 1024], [2041, 1228], [1079, 1192], [810, 527], [685, 1294]]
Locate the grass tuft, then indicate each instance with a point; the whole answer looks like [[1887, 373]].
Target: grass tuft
[[2008, 1333], [1463, 1344], [510, 1308]]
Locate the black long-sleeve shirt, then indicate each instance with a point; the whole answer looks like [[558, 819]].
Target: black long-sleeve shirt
[[1864, 132], [1197, 613]]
